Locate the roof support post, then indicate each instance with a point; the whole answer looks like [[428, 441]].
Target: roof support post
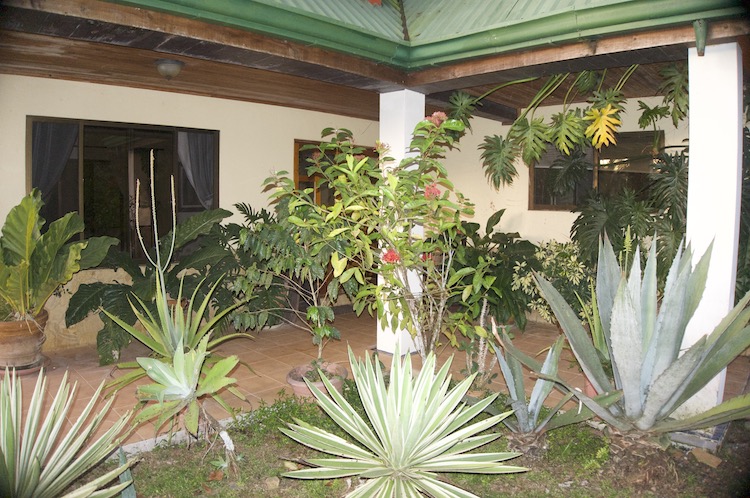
[[714, 189], [400, 111]]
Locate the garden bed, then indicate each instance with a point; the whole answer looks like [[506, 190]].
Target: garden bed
[[578, 461]]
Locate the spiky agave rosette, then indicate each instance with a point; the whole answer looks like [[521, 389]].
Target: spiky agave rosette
[[417, 428]]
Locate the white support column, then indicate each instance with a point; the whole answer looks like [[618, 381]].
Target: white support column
[[714, 189], [400, 111]]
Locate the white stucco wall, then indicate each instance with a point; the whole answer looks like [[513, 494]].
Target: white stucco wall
[[465, 170], [255, 139]]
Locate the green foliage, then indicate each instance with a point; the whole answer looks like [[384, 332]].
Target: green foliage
[[397, 450], [660, 215], [500, 252], [403, 222], [560, 263], [675, 89], [42, 457], [644, 333], [578, 445], [531, 136], [179, 340], [567, 132], [743, 258], [569, 170], [34, 265], [210, 257], [498, 160]]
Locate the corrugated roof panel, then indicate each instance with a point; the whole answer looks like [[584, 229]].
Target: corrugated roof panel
[[435, 20], [381, 20]]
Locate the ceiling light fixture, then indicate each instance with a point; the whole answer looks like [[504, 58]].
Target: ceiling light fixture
[[169, 68]]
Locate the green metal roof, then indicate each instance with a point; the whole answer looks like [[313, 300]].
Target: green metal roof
[[430, 32]]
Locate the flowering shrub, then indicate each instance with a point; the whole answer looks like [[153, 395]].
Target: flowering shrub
[[401, 221]]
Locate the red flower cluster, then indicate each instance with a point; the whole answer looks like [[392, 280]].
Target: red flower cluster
[[391, 256], [437, 118], [431, 191], [425, 256]]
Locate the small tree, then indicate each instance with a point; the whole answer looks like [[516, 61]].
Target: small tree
[[401, 221]]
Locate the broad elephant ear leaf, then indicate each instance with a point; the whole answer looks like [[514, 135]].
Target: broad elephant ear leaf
[[195, 226]]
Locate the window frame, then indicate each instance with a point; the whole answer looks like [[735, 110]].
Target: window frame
[[83, 123], [597, 158]]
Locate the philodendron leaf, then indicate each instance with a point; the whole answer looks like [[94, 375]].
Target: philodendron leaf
[[604, 124], [498, 160]]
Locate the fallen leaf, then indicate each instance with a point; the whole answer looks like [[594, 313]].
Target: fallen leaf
[[216, 475]]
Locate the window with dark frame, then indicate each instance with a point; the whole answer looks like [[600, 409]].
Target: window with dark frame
[[303, 180], [614, 168], [93, 168]]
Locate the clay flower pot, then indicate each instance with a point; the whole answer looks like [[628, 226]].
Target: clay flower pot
[[21, 342], [336, 374]]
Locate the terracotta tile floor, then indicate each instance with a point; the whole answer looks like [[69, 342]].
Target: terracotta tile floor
[[272, 353]]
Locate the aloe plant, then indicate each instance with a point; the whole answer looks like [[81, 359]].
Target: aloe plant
[[527, 423], [41, 457], [416, 427], [181, 365], [643, 332]]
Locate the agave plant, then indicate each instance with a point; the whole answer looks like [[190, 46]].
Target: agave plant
[[180, 365], [643, 332], [527, 423], [37, 460], [400, 449]]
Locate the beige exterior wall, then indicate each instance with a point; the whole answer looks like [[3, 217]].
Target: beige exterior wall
[[466, 172], [255, 140]]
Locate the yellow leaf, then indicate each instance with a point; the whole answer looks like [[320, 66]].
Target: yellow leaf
[[604, 125]]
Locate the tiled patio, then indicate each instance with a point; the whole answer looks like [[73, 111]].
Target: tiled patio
[[272, 353]]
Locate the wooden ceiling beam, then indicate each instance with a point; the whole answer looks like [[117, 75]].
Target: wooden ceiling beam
[[659, 46], [93, 20], [53, 57]]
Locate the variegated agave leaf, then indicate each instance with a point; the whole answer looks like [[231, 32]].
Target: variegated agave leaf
[[398, 451], [644, 332]]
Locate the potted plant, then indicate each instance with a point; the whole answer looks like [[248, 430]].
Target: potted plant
[[33, 266]]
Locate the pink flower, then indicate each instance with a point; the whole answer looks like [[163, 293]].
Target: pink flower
[[425, 256], [437, 118], [391, 256], [431, 191]]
